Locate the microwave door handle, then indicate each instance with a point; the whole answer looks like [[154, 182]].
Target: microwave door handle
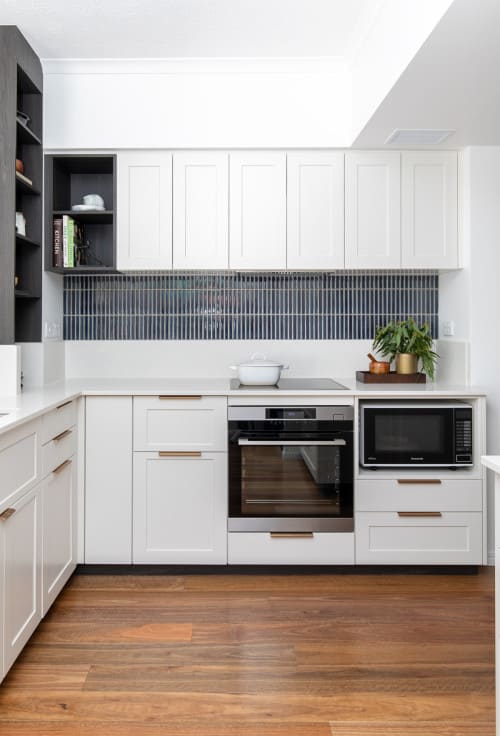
[[290, 443]]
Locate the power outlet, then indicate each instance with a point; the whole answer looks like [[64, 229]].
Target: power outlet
[[448, 328], [52, 330]]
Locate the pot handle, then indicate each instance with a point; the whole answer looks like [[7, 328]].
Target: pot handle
[[257, 356], [234, 367]]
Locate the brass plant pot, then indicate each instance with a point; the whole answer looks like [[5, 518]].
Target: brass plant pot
[[406, 363]]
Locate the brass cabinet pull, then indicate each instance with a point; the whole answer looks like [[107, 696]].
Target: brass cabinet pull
[[61, 436], [61, 406], [167, 397], [176, 453], [61, 466], [291, 535], [419, 481], [419, 513], [7, 514]]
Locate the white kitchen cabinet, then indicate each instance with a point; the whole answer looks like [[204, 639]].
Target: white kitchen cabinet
[[144, 204], [19, 461], [180, 508], [429, 201], [58, 530], [257, 210], [108, 479], [200, 210], [446, 538], [20, 573], [372, 209], [315, 210], [180, 423]]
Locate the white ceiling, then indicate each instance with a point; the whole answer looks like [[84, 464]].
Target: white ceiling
[[190, 28], [453, 82]]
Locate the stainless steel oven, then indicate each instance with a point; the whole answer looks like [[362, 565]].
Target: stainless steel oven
[[291, 468]]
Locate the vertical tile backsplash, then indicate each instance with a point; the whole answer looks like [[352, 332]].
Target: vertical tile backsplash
[[225, 305]]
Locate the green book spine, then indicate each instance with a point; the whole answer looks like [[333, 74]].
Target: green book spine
[[71, 242]]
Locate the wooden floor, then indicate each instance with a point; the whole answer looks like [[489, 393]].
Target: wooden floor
[[307, 655]]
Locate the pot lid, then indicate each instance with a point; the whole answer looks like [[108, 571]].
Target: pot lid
[[260, 363]]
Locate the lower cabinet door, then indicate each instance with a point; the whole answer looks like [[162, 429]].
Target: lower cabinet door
[[20, 543], [58, 530], [447, 538], [266, 548], [180, 508]]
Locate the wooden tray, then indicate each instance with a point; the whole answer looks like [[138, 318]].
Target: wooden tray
[[392, 377]]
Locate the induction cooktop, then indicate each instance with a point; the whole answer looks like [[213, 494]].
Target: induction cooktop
[[292, 384]]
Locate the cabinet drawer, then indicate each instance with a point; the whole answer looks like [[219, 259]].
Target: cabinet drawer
[[58, 450], [180, 423], [19, 460], [262, 548], [57, 421], [422, 494], [448, 539]]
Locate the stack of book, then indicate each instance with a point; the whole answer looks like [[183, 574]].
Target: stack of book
[[67, 238]]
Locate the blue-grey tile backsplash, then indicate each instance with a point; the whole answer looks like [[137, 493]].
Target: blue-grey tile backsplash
[[187, 305]]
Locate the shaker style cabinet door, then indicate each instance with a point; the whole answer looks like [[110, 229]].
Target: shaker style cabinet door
[[429, 202], [180, 507], [200, 210], [315, 210], [20, 568], [372, 209], [257, 210], [59, 530], [144, 203]]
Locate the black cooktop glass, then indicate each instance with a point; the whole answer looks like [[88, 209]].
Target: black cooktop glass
[[293, 384]]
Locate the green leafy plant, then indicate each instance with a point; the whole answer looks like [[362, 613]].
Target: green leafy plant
[[407, 337]]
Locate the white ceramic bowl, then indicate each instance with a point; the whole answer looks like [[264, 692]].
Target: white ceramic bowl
[[259, 372], [94, 200]]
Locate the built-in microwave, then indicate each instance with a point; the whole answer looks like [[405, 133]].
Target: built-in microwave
[[416, 433]]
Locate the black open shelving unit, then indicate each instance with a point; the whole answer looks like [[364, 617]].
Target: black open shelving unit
[[67, 179]]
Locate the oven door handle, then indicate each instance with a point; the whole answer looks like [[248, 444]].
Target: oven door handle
[[289, 443]]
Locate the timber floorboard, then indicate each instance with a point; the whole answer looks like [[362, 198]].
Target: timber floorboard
[[266, 655]]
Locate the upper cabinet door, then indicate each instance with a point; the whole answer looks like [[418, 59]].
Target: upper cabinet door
[[315, 210], [200, 210], [372, 210], [257, 220], [429, 198], [144, 232]]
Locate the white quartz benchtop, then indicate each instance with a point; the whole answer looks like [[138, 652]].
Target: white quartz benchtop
[[32, 403], [492, 462]]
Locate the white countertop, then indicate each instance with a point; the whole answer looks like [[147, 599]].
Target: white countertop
[[492, 462], [32, 403]]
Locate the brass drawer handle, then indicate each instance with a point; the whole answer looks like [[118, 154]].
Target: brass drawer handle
[[7, 514], [166, 397], [61, 466], [419, 481], [61, 436], [61, 406], [179, 454], [291, 535], [419, 513]]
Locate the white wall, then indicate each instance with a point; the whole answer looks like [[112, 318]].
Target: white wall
[[194, 104], [472, 297]]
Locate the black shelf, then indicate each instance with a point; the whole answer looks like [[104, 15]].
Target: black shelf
[[22, 294], [25, 188], [91, 216], [68, 178], [23, 240], [26, 135]]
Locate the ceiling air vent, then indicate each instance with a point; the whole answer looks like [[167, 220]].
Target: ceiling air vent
[[418, 137]]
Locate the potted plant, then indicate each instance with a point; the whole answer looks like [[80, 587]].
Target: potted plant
[[407, 343]]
